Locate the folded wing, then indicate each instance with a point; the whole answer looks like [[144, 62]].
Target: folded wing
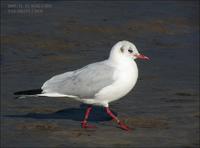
[[83, 83]]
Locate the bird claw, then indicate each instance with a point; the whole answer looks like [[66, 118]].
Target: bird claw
[[123, 126], [85, 125]]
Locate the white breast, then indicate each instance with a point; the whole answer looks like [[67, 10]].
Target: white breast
[[126, 76]]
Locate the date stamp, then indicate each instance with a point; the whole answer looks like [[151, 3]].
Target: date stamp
[[28, 8]]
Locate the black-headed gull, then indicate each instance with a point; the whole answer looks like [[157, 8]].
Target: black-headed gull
[[97, 83]]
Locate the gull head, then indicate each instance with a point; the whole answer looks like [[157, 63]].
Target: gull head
[[125, 50]]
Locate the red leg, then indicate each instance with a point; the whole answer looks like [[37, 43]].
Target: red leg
[[84, 122], [121, 124]]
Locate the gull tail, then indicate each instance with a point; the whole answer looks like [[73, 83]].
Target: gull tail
[[28, 93]]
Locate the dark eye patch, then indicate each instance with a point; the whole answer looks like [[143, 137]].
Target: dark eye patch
[[122, 50], [130, 50]]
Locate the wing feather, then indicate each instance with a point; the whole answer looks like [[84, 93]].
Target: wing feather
[[84, 82]]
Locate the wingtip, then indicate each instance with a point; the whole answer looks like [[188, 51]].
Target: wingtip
[[28, 92]]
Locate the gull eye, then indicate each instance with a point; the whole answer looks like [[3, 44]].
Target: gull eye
[[130, 51]]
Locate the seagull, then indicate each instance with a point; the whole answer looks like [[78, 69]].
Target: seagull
[[96, 84]]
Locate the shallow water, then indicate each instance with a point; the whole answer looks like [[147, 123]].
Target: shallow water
[[162, 109]]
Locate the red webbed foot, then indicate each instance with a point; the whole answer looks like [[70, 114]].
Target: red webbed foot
[[123, 126], [84, 124]]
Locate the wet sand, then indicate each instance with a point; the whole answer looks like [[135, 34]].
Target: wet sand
[[163, 108]]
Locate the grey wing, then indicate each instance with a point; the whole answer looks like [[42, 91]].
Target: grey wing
[[84, 82]]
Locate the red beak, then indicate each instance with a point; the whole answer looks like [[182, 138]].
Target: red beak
[[140, 56]]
